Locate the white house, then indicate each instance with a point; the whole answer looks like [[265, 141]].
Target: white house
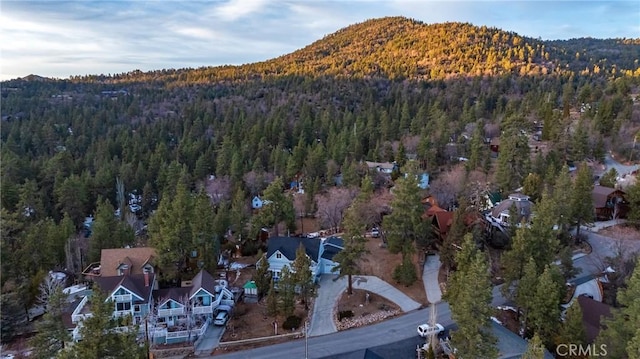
[[501, 212], [281, 252], [256, 203]]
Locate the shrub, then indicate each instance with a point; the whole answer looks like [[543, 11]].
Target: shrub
[[250, 248], [292, 322], [405, 273], [344, 314]]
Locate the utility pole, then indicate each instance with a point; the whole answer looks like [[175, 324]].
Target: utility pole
[[146, 336], [306, 340]]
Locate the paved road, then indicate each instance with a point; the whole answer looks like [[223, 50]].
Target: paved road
[[389, 331], [609, 163], [602, 247]]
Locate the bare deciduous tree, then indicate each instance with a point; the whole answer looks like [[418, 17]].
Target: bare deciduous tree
[[256, 182], [411, 143], [448, 185], [218, 189], [333, 204], [47, 287]]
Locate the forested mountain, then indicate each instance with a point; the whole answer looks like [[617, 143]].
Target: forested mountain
[[381, 90], [397, 47]]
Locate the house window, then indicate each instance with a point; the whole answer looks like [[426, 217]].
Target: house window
[[147, 269], [278, 255], [123, 269], [136, 308], [123, 306], [275, 274]]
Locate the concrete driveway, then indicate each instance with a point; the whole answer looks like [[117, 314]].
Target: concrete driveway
[[430, 279], [210, 340], [330, 290]]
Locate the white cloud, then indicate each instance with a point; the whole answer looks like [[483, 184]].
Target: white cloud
[[235, 9]]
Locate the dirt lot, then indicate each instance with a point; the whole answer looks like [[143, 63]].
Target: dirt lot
[[621, 232], [381, 263]]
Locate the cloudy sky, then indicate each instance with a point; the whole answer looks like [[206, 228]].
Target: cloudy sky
[[63, 38]]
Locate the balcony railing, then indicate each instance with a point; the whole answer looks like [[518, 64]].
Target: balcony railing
[[170, 312], [121, 313], [203, 310], [122, 298], [76, 316]]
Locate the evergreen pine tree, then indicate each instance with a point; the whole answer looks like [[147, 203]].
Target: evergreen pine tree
[[621, 334], [287, 292], [535, 348], [262, 278], [302, 276], [544, 307], [51, 333], [469, 296], [581, 202], [572, 329], [272, 301]]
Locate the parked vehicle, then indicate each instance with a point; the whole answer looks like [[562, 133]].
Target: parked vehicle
[[221, 318], [425, 330], [375, 233]]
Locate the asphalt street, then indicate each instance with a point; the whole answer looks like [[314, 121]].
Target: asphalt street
[[389, 331]]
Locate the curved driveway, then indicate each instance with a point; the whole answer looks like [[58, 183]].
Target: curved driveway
[[609, 163], [330, 289]]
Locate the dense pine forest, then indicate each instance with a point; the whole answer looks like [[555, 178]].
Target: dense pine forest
[[384, 90]]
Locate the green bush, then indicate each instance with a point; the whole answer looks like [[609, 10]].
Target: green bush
[[405, 273], [344, 314], [292, 322]]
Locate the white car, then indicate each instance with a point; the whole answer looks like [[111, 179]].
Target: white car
[[425, 330], [221, 318]]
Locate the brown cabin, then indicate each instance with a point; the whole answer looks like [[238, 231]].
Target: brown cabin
[[609, 203]]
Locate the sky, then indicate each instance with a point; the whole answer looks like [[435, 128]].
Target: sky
[[59, 39]]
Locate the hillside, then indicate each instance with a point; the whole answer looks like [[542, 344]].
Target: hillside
[[397, 47]]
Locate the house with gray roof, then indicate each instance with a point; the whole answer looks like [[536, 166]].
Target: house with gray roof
[[281, 252], [172, 315]]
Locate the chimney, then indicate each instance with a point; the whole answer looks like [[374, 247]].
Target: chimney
[[146, 279]]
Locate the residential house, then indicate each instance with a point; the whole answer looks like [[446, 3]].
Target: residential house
[[281, 252], [330, 247], [423, 181], [122, 261], [382, 167], [131, 295], [184, 313], [501, 213], [609, 203], [494, 146], [441, 221], [592, 314], [256, 203]]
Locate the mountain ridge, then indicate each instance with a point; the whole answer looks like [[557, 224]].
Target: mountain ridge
[[403, 48]]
